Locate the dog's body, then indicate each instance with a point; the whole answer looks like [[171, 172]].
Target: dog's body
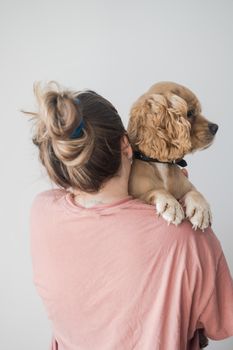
[[165, 124]]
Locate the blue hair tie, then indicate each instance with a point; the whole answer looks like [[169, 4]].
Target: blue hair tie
[[76, 133], [77, 100]]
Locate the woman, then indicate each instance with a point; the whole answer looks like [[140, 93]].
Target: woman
[[112, 275]]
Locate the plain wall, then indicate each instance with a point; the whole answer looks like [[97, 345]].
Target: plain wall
[[118, 48]]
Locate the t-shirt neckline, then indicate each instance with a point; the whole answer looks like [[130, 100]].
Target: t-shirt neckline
[[115, 204]]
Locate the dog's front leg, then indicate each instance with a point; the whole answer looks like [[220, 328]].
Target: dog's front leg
[[197, 209], [166, 205]]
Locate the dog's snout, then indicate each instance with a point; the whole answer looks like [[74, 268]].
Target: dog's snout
[[213, 128]]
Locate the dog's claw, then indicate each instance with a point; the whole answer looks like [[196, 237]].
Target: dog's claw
[[197, 210], [169, 208]]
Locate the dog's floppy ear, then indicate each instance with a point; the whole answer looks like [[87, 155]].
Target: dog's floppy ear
[[158, 127]]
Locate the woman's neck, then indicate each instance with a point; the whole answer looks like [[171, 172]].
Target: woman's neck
[[114, 189]]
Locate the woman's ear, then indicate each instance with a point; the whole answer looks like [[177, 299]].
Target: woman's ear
[[126, 147]]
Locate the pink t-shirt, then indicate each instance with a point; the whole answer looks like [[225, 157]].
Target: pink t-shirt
[[117, 277]]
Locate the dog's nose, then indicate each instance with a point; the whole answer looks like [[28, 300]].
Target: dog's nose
[[213, 128]]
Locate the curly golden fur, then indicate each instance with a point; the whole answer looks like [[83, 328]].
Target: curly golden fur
[[159, 127], [166, 123]]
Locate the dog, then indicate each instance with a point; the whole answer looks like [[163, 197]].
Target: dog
[[165, 124]]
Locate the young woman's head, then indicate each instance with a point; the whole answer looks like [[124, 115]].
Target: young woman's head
[[79, 137]]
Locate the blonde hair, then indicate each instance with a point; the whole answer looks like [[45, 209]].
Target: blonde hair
[[87, 161]]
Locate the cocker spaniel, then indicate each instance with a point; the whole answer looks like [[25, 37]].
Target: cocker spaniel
[[165, 124]]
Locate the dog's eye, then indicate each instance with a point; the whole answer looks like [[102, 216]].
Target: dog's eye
[[191, 113]]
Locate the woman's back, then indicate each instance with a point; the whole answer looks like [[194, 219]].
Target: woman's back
[[116, 277]]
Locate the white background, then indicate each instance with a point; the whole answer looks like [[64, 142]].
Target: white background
[[118, 48]]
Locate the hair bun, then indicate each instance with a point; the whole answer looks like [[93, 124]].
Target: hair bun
[[58, 110]]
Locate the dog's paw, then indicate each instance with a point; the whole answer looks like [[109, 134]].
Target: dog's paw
[[169, 208], [197, 210]]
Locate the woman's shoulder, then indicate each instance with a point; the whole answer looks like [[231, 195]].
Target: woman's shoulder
[[52, 193], [203, 247], [43, 200], [202, 243]]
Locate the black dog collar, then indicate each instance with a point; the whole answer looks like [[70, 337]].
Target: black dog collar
[[141, 156]]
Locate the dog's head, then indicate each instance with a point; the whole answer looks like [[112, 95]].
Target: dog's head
[[166, 123]]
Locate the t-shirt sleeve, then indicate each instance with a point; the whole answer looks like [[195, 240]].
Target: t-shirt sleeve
[[217, 316]]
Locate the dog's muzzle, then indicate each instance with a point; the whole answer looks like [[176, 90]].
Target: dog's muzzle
[[213, 128]]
